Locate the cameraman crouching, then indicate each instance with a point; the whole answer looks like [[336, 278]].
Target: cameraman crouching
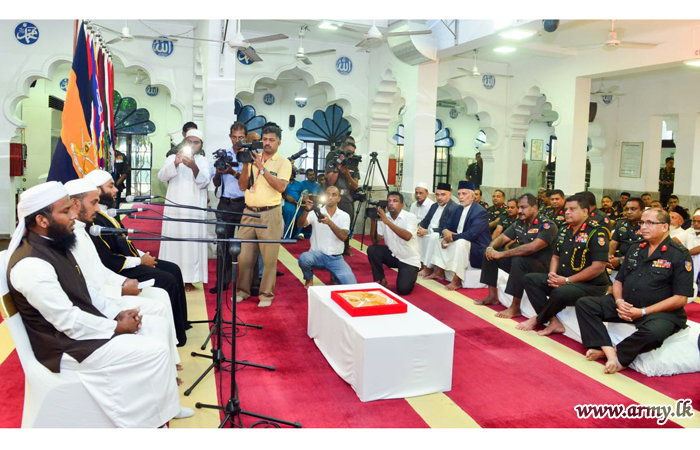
[[401, 249], [338, 174], [231, 197], [330, 228]]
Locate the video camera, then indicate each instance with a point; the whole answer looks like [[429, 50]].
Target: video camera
[[345, 159], [245, 154], [222, 158], [319, 200], [371, 213], [298, 155], [358, 195]]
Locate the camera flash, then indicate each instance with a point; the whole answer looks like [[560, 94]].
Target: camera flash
[[187, 151]]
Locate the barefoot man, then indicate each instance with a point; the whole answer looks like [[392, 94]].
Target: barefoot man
[[536, 234], [577, 269], [430, 228], [651, 291], [465, 239]]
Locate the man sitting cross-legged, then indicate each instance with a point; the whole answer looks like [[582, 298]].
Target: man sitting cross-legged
[[330, 230], [430, 228], [651, 290], [577, 269], [536, 234], [464, 240]]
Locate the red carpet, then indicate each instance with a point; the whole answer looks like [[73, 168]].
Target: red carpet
[[11, 392]]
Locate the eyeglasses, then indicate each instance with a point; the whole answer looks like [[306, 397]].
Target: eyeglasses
[[649, 223]]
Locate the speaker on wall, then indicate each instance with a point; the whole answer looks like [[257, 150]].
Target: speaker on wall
[[292, 120]]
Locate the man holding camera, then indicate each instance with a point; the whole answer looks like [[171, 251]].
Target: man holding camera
[[338, 174], [330, 229], [263, 180], [231, 197], [399, 230]]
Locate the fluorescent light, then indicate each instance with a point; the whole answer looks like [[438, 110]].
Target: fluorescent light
[[516, 34], [299, 99], [326, 25], [694, 63], [504, 49]]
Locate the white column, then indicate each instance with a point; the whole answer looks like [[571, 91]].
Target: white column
[[419, 123], [651, 161], [572, 137], [686, 161]]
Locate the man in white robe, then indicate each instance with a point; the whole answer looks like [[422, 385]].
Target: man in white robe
[[102, 282], [187, 175], [125, 368], [422, 205]]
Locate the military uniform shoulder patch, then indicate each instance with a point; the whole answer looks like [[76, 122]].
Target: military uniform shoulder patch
[[688, 266], [546, 226]]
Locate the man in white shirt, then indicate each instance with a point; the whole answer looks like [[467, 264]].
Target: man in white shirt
[[328, 235], [690, 238], [431, 226], [422, 204], [401, 250]]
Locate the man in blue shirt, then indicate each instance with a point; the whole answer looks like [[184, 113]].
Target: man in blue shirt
[[312, 187], [231, 198], [289, 210]]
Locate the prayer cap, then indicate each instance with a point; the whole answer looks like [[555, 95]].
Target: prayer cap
[[31, 201], [98, 177], [80, 186], [196, 133], [444, 186], [464, 184], [423, 186]]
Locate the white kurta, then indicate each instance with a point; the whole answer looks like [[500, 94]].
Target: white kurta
[[132, 377], [454, 258], [107, 285], [420, 211], [185, 189]]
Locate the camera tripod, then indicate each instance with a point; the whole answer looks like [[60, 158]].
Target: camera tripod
[[367, 187]]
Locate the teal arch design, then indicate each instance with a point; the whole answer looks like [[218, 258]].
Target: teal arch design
[[325, 126], [129, 118]]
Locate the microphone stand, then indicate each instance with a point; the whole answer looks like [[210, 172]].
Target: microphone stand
[[233, 405], [294, 220], [197, 208], [208, 222]]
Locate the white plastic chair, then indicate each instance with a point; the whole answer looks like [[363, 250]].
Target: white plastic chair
[[51, 400]]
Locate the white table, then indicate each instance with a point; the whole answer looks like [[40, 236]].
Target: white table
[[389, 356]]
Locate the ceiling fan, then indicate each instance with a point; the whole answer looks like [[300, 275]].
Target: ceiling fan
[[374, 38], [613, 42], [607, 94], [301, 55], [474, 72], [241, 43], [125, 34]]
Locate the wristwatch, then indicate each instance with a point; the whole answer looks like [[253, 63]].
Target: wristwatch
[[644, 312], [262, 172], [567, 280]]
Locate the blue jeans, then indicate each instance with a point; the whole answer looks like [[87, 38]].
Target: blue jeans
[[336, 265]]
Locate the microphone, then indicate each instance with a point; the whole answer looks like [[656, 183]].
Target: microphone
[[304, 193], [298, 154], [138, 198], [97, 230], [115, 212]]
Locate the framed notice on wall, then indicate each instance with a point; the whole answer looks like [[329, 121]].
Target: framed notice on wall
[[537, 150], [631, 159]]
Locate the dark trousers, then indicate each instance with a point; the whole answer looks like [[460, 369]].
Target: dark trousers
[[169, 277], [346, 204], [228, 232], [516, 267], [651, 332], [559, 298], [663, 198], [379, 256]]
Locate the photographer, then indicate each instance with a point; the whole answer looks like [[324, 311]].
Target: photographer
[[340, 175], [330, 228], [263, 179], [226, 171], [401, 250]]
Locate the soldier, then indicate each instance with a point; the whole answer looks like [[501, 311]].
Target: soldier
[[536, 234], [627, 232], [557, 212], [620, 205], [475, 171], [497, 209], [478, 198], [667, 176], [577, 269], [598, 218], [646, 200], [607, 208], [507, 219], [650, 291]]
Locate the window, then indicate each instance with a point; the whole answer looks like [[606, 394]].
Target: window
[[480, 139], [132, 125], [398, 137], [315, 158], [443, 144]]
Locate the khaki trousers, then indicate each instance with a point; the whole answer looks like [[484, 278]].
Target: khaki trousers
[[249, 252]]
